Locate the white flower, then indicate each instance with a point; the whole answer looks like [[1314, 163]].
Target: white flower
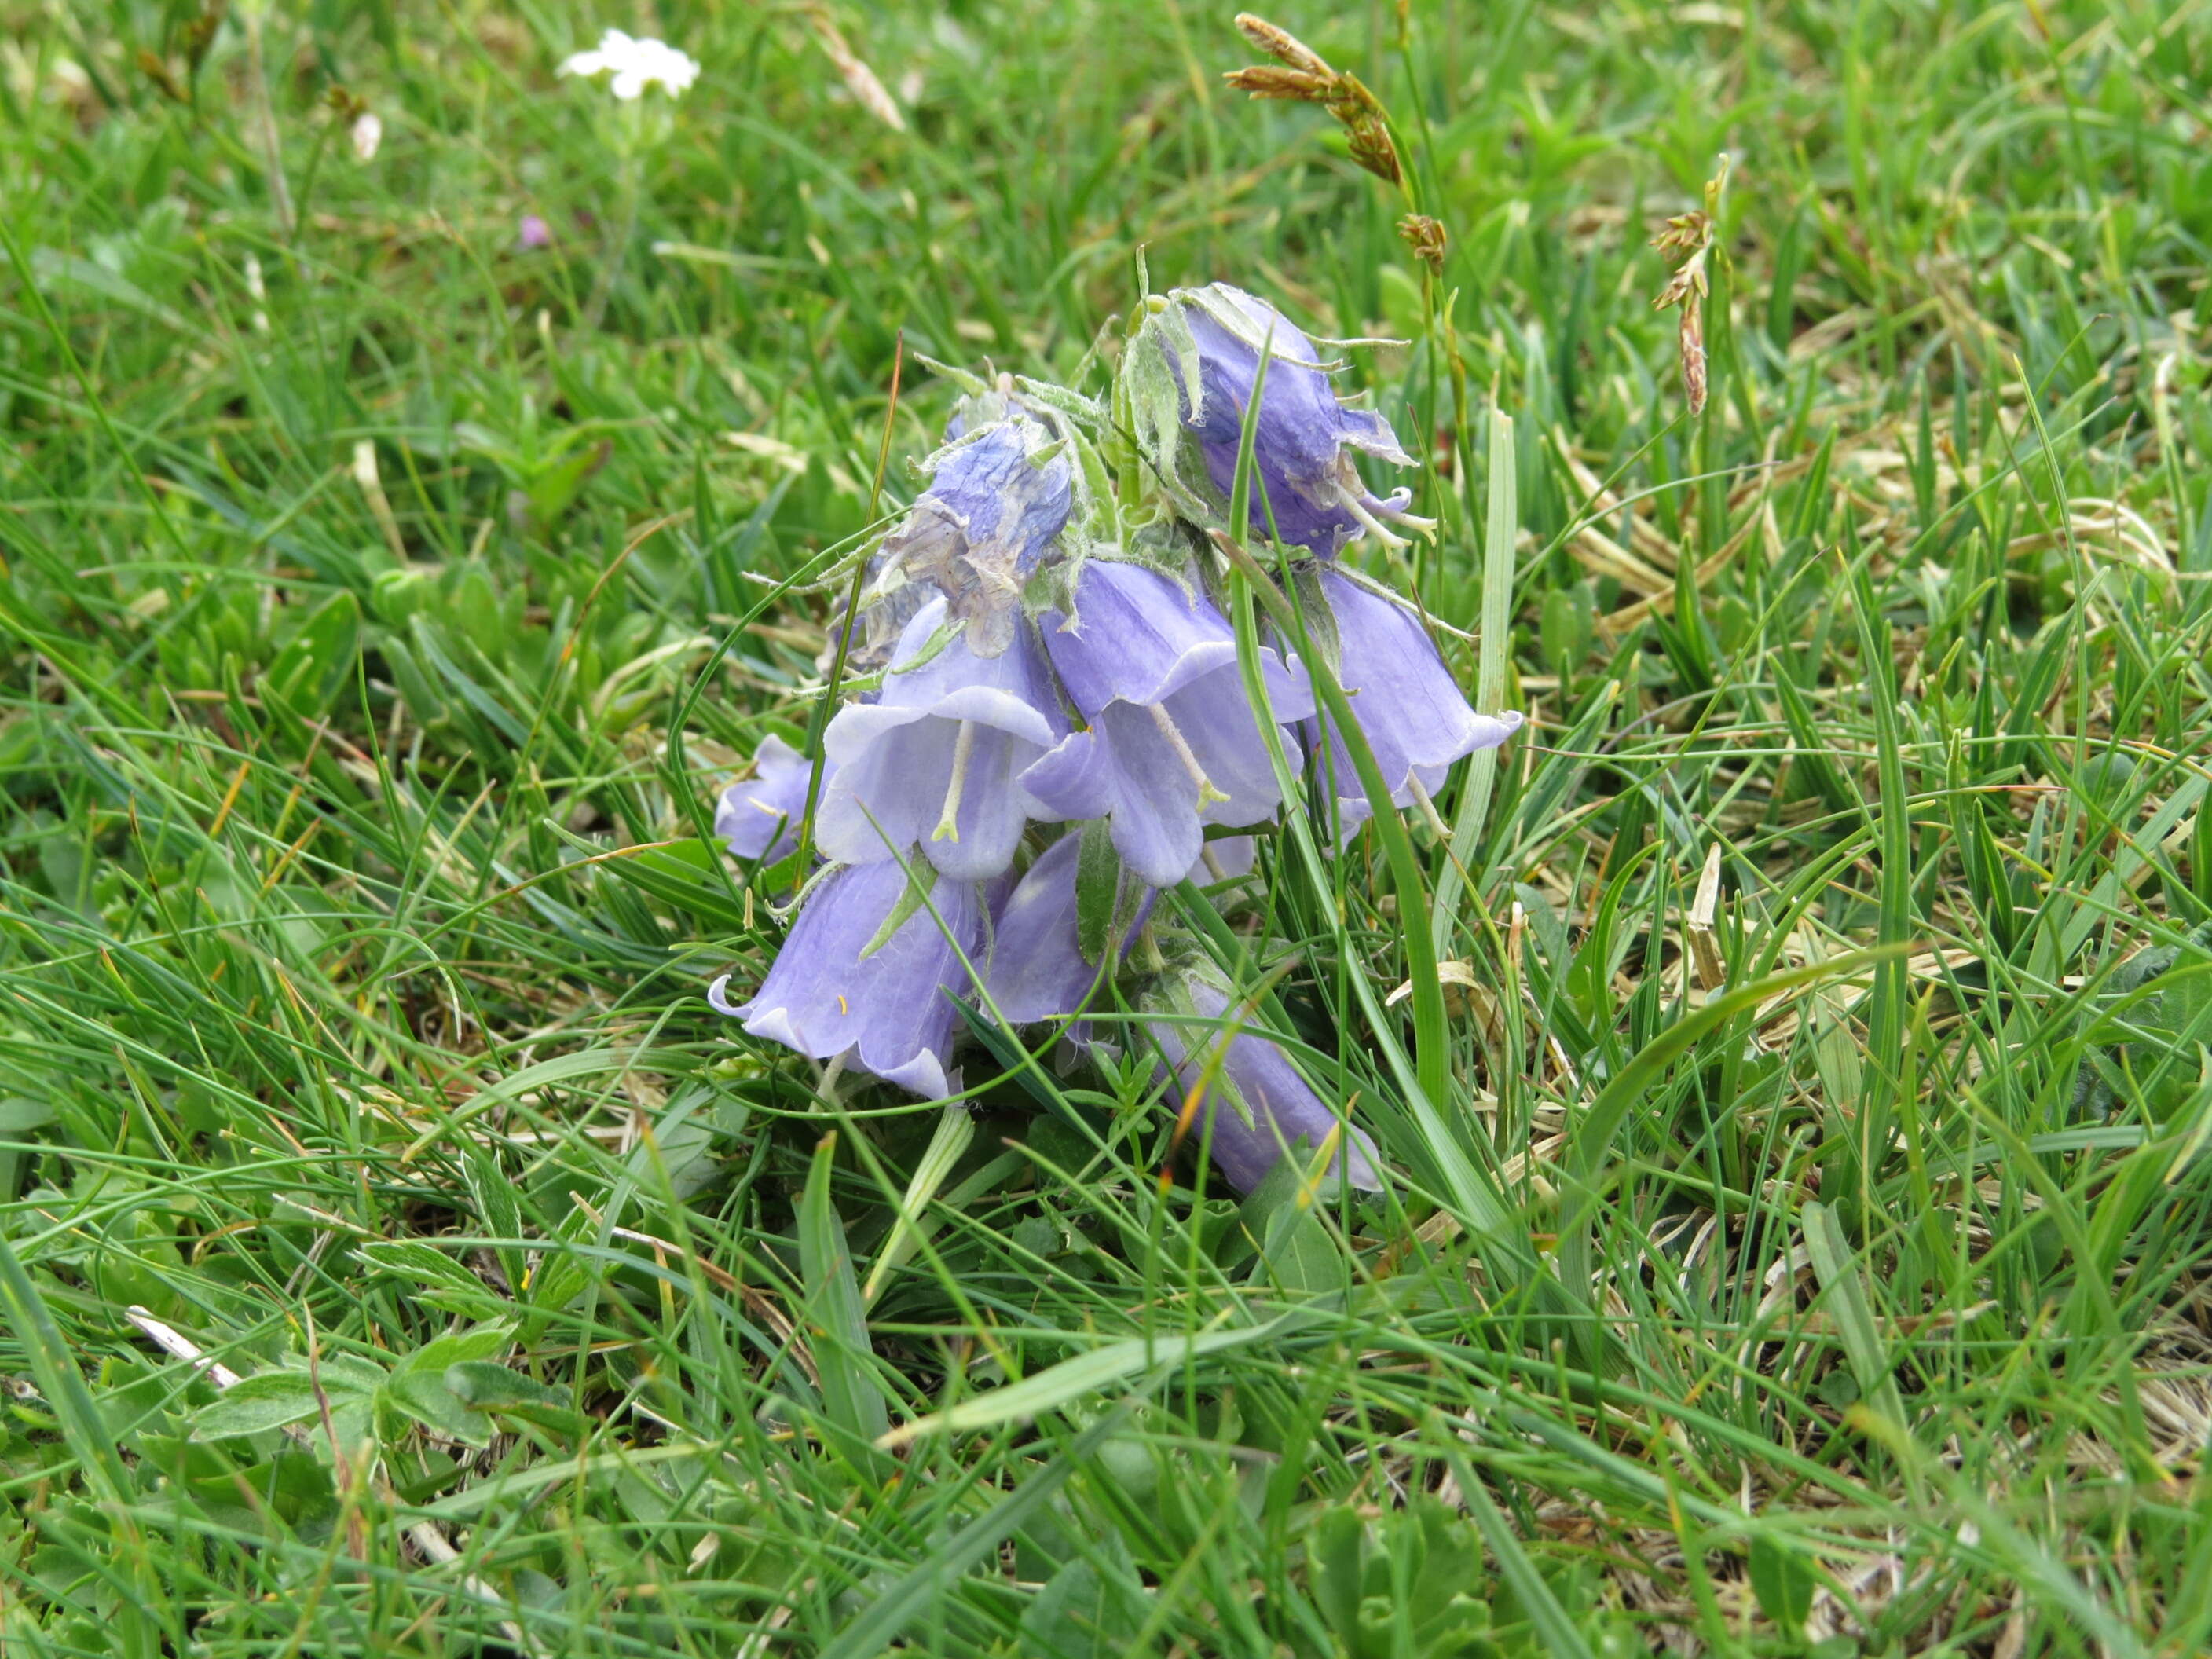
[[636, 64], [367, 132]]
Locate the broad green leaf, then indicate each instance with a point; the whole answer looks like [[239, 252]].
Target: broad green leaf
[[1783, 1584], [267, 1400]]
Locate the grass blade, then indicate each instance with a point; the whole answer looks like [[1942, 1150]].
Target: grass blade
[[1494, 650], [851, 1396]]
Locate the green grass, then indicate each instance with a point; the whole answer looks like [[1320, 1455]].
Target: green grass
[[355, 908]]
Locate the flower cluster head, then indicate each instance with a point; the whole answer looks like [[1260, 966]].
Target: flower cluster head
[[1049, 718], [635, 63]]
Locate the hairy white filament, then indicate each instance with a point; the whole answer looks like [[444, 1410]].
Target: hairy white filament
[[1382, 533], [948, 825], [1206, 793]]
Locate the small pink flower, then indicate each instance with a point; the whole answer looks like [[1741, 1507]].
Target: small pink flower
[[534, 232]]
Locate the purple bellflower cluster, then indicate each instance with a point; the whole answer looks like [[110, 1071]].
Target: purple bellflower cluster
[[1039, 643]]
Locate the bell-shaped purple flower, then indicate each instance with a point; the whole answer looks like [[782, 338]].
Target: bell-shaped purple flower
[[1303, 450], [1173, 744], [1409, 707], [1000, 496], [758, 817], [937, 758], [1285, 1111], [1038, 969], [887, 1011]]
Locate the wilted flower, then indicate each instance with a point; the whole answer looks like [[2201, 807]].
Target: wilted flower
[[1284, 1111], [533, 233], [840, 988], [937, 758], [1211, 339], [1039, 969], [1000, 496], [1409, 707], [636, 64], [1173, 744], [758, 817], [366, 133]]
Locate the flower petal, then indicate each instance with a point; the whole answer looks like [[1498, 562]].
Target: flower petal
[[758, 818], [890, 1013], [1223, 737], [1122, 770], [1409, 707], [1285, 1111], [994, 807], [897, 757], [1136, 635], [1038, 970], [1154, 668], [1074, 780]]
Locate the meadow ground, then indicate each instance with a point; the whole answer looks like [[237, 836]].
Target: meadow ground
[[1800, 1237]]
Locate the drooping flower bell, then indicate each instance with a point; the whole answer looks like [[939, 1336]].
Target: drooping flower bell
[[758, 817], [936, 760], [1409, 707], [1285, 1112], [1173, 744], [840, 989], [1209, 343], [1040, 968]]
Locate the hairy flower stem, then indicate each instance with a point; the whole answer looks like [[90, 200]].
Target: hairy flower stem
[[610, 268]]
